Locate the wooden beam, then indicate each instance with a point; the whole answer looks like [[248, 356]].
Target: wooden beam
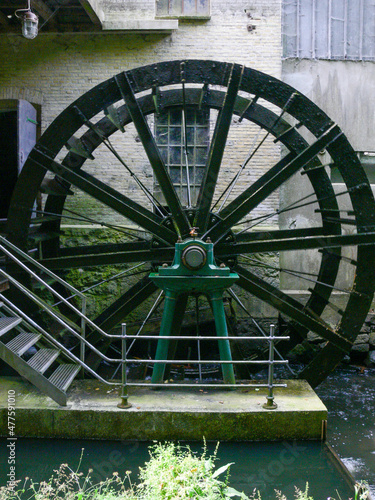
[[70, 29], [43, 10], [93, 10]]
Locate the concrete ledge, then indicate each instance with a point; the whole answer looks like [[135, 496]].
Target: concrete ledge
[[224, 415], [141, 25]]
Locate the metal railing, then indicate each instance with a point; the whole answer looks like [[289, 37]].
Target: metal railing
[[271, 362], [9, 250]]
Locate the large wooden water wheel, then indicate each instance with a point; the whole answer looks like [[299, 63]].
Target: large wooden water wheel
[[260, 137]]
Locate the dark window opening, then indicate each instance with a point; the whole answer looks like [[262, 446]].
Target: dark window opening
[[18, 133], [8, 159]]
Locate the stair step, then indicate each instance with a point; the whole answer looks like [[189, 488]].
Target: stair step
[[64, 375], [4, 285], [7, 323], [20, 344], [43, 359]]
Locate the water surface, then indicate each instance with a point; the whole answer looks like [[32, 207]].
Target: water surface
[[349, 394]]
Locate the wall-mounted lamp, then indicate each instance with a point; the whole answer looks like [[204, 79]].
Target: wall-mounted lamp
[[29, 22]]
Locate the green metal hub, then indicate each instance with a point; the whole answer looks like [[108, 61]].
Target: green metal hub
[[193, 270], [194, 257]]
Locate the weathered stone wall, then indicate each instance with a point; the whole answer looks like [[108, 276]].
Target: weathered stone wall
[[345, 90]]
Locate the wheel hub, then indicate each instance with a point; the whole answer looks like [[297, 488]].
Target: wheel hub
[[194, 257]]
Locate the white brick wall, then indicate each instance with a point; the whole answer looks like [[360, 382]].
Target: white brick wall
[[54, 70]]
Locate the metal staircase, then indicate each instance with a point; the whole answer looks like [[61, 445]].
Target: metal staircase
[[31, 350], [34, 357]]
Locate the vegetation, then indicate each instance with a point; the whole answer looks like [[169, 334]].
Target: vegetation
[[173, 472]]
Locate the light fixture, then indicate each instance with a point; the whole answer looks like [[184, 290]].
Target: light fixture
[[29, 22]]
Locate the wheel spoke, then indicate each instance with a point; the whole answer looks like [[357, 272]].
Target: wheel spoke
[[216, 153], [310, 277], [153, 155], [279, 234], [107, 195], [290, 307], [107, 143], [299, 243], [124, 305], [154, 308], [102, 255], [185, 134], [268, 183], [232, 184], [256, 324], [44, 217]]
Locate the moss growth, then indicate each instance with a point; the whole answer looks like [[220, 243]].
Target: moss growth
[[101, 283]]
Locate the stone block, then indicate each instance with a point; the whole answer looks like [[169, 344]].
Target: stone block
[[360, 348], [362, 338], [371, 358]]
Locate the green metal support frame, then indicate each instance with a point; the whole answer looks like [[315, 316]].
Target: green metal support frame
[[193, 270]]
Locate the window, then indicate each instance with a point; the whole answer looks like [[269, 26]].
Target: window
[[169, 133], [329, 29], [183, 8], [367, 160]]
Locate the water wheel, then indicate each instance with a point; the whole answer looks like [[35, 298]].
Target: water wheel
[[262, 195]]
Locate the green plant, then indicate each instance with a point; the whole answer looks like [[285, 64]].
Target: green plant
[[175, 472], [362, 491]]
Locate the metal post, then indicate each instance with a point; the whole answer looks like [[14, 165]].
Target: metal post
[[216, 298], [270, 404], [124, 403], [165, 329], [83, 335], [198, 341]]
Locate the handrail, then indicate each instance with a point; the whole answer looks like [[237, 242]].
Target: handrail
[[79, 334], [60, 320], [26, 256], [51, 289], [269, 405], [53, 341]]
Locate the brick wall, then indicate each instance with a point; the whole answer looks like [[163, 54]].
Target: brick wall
[[54, 70]]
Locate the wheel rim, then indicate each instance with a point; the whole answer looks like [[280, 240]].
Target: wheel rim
[[247, 96]]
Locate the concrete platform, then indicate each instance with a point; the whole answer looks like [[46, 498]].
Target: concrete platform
[[185, 414]]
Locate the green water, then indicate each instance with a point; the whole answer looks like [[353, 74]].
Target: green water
[[349, 396], [264, 466]]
